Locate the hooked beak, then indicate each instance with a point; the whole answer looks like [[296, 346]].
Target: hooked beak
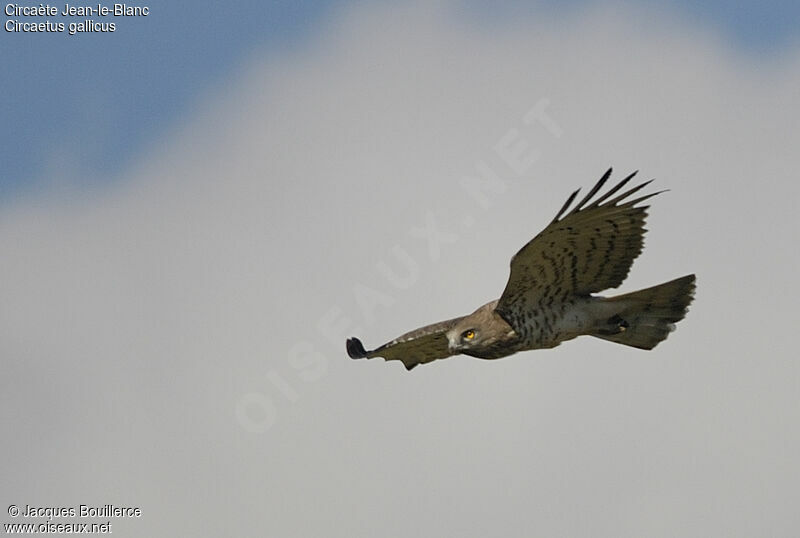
[[452, 344]]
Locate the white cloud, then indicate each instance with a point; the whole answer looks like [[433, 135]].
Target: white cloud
[[134, 318]]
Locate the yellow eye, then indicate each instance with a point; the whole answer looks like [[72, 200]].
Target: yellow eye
[[469, 335]]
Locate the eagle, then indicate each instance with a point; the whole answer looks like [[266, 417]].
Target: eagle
[[550, 295]]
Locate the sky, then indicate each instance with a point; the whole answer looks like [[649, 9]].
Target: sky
[[198, 208], [87, 108]]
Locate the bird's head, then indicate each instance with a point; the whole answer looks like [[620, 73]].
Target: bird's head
[[478, 331], [460, 340]]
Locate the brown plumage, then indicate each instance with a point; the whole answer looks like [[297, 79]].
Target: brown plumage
[[548, 298]]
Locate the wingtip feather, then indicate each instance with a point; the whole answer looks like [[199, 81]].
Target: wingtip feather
[[355, 349], [613, 190], [595, 189], [565, 206]]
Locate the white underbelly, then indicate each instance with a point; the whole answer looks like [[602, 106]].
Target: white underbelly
[[582, 318]]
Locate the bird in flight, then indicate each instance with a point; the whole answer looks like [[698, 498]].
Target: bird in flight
[[549, 297]]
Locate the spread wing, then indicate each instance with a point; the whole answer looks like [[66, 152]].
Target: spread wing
[[590, 249], [422, 345]]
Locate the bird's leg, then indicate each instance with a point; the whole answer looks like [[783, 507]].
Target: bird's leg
[[614, 325]]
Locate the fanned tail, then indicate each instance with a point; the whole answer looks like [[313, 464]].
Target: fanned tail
[[646, 317]]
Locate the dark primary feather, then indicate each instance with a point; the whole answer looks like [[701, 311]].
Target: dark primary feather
[[355, 348], [592, 192], [615, 188], [589, 250], [419, 346]]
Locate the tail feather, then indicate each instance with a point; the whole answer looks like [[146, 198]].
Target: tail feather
[[646, 317]]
